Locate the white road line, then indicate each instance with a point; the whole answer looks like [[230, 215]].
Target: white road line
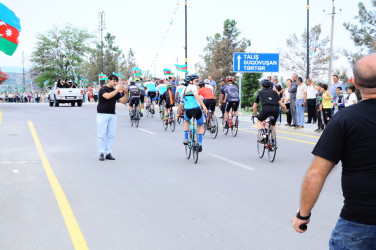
[[232, 162], [147, 131]]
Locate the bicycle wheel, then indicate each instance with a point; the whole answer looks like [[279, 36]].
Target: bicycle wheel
[[179, 120], [148, 111], [172, 121], [260, 146], [213, 127], [137, 118], [165, 125], [234, 127], [225, 130], [188, 147], [195, 147], [161, 112], [272, 145], [206, 124], [152, 111], [132, 118]]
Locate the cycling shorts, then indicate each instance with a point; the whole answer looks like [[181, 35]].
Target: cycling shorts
[[134, 100], [210, 104], [142, 98], [196, 113], [152, 95], [229, 106], [269, 110]]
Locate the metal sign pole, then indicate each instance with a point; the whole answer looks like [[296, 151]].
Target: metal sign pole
[[240, 91]]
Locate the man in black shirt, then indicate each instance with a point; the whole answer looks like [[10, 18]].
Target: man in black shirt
[[106, 118], [270, 102], [350, 137]]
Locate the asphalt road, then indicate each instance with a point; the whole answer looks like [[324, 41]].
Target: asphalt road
[[151, 196]]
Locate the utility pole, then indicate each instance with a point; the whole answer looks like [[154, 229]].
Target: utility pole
[[186, 45], [307, 40], [101, 27], [331, 47]]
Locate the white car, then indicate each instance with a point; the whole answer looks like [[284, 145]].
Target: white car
[[65, 95]]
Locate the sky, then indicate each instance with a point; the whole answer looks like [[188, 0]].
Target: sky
[[143, 24]]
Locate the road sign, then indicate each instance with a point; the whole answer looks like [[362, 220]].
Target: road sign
[[256, 62]]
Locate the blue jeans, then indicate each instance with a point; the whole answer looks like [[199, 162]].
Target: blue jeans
[[300, 112], [352, 235], [106, 127]]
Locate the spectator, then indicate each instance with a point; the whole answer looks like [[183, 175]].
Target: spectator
[[95, 93], [351, 98], [311, 101], [350, 138], [339, 101], [301, 100], [326, 104], [286, 101], [276, 83], [335, 85], [279, 90], [320, 124], [292, 91], [213, 84]]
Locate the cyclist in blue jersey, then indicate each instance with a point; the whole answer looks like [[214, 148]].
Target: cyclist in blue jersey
[[231, 98], [192, 106], [151, 93], [161, 89], [179, 97]]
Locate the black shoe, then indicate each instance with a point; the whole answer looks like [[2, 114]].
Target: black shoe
[[287, 124], [109, 157], [307, 122], [101, 157], [199, 148]]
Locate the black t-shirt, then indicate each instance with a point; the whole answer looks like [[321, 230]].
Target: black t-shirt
[[267, 97], [107, 106], [350, 137]]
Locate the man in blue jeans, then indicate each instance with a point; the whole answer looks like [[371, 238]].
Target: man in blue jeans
[[350, 138], [106, 118]]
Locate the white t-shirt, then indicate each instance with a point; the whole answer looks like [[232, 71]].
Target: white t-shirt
[[286, 95], [311, 92], [351, 100]]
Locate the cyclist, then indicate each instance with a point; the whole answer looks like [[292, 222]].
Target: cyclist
[[169, 98], [270, 102], [192, 106], [178, 96], [230, 93], [141, 87], [151, 93], [134, 97], [161, 89], [207, 94]]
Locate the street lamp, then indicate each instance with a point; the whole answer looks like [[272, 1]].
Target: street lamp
[[307, 39], [101, 27]]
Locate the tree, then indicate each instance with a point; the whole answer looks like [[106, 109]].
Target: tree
[[218, 57], [250, 88], [60, 52], [113, 59], [130, 63], [364, 36], [294, 60]]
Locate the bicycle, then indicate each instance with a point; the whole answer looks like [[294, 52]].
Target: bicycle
[[233, 123], [135, 116], [150, 110], [161, 110], [171, 120], [266, 139], [192, 147], [211, 124], [181, 116]]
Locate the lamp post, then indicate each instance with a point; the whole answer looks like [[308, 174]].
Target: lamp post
[[186, 45], [101, 27], [307, 39]]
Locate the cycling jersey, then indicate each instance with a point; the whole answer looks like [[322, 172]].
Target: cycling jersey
[[151, 86], [267, 97], [232, 93], [141, 87], [161, 88], [206, 93], [133, 90], [190, 101]]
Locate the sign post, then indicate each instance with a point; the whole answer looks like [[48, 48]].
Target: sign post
[[254, 63]]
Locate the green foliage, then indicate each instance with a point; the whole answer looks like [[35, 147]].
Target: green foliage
[[250, 88], [218, 57], [364, 34], [60, 52], [294, 59]]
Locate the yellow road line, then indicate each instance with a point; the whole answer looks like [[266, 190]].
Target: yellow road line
[[69, 219], [291, 133], [291, 139], [1, 117]]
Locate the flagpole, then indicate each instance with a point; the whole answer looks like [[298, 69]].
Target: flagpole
[[186, 45], [307, 40]]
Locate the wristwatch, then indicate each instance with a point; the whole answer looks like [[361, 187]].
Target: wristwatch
[[302, 217]]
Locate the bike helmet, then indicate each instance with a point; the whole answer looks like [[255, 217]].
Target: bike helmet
[[133, 82], [230, 78], [266, 83], [137, 79], [193, 77], [201, 84]]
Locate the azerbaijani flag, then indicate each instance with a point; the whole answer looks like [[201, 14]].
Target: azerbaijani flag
[[137, 71], [181, 67], [10, 29], [167, 71], [46, 82]]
